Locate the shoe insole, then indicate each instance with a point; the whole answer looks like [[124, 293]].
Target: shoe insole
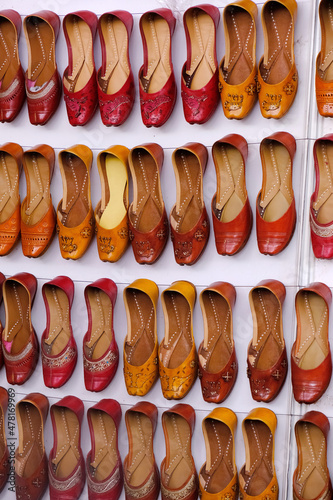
[[140, 340], [219, 447], [311, 445], [277, 191], [67, 442], [258, 444], [101, 322], [75, 203], [104, 434], [326, 59], [116, 179], [178, 340], [140, 456], [31, 444], [8, 53], [239, 62], [9, 192], [81, 42], [17, 329], [313, 328], [157, 34], [59, 329], [178, 449], [38, 187], [324, 201], [41, 51], [230, 195], [116, 44], [202, 39]]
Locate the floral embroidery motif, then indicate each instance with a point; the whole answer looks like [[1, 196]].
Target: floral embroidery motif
[[123, 233], [68, 355], [234, 102], [149, 105], [101, 364], [105, 244], [75, 105], [193, 102], [199, 235], [86, 232], [272, 102], [183, 249], [108, 107], [220, 87], [67, 244], [251, 89], [161, 234], [274, 488], [144, 248], [289, 88]]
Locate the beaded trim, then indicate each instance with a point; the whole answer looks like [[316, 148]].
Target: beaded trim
[[100, 365], [68, 355], [10, 89], [106, 486], [323, 232], [143, 491], [42, 93], [21, 355], [67, 483], [179, 494]]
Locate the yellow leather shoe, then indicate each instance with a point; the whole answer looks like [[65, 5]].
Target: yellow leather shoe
[[218, 476], [75, 217], [140, 346], [277, 73], [111, 212], [238, 71], [257, 478], [177, 355]]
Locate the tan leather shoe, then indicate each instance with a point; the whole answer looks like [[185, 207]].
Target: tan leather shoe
[[324, 66]]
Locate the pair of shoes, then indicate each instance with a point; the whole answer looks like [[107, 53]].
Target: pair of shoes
[[324, 75]]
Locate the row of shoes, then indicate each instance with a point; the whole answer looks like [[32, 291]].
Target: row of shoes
[[65, 470], [112, 87], [145, 221]]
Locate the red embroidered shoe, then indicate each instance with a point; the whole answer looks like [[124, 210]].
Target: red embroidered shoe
[[79, 80], [199, 83], [115, 81], [100, 349], [157, 83], [59, 351], [4, 452]]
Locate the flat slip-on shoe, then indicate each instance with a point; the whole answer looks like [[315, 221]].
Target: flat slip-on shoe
[[141, 477], [275, 206], [277, 73], [321, 218], [157, 83], [100, 349], [10, 204], [311, 361], [148, 222], [188, 218], [324, 66], [218, 365], [266, 356], [12, 91], [178, 475], [111, 219], [31, 478], [19, 341], [115, 81], [231, 211], [103, 464], [141, 343], [311, 477], [4, 452], [257, 478], [2, 280], [38, 218], [79, 79], [66, 465], [58, 346], [42, 79], [178, 364], [218, 477], [237, 70], [75, 216], [200, 74]]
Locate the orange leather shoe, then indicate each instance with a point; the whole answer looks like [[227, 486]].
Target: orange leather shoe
[[237, 70], [217, 356], [275, 206], [111, 212], [311, 477], [231, 211], [141, 344], [277, 73], [257, 478], [218, 477], [4, 452], [75, 216], [38, 219], [148, 222], [177, 355], [311, 361], [10, 212], [266, 355], [324, 66], [188, 218]]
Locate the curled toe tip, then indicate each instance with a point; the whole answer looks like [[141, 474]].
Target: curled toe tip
[[228, 247]]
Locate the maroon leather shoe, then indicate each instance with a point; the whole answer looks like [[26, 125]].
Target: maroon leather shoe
[[42, 79], [66, 463], [104, 468], [157, 83], [200, 78], [12, 93], [115, 81], [100, 349], [19, 341], [4, 452], [58, 346], [31, 477], [2, 279], [79, 79]]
